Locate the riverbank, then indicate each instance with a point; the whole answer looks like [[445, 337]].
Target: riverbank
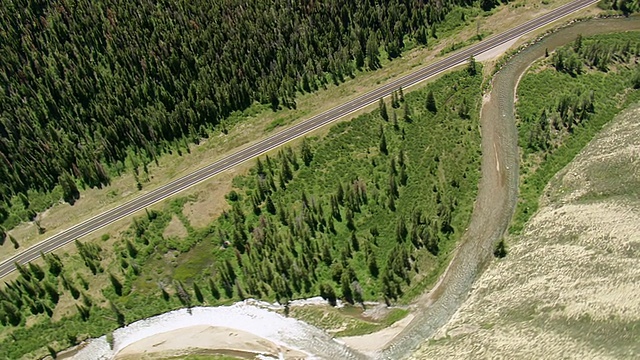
[[252, 327]]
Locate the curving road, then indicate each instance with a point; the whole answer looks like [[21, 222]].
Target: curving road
[[283, 137]]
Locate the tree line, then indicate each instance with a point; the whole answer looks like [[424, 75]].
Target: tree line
[[87, 85], [573, 108]]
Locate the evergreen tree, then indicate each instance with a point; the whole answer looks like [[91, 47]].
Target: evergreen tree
[[383, 144], [271, 208], [373, 52], [471, 66], [53, 262], [14, 242], [431, 102], [355, 244], [120, 319], [500, 250], [214, 289], [345, 284], [328, 293], [117, 285], [391, 203], [307, 154], [382, 106], [198, 293], [373, 266], [407, 113], [36, 271], [70, 192]]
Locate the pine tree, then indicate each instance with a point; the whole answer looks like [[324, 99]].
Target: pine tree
[[214, 289], [392, 203], [471, 66], [14, 242], [383, 144], [373, 52], [403, 176], [463, 110], [500, 250], [373, 266], [52, 292], [306, 152], [183, 295], [53, 262], [355, 244], [345, 284], [70, 192], [131, 249], [198, 293], [407, 112], [271, 208], [431, 102], [52, 352], [328, 293], [117, 285], [382, 106], [36, 271], [358, 293], [120, 319]]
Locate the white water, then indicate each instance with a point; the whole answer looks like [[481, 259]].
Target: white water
[[244, 316]]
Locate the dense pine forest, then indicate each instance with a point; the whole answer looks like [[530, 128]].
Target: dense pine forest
[[88, 84]]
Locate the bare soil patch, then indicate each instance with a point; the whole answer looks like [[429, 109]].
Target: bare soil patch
[[211, 202], [175, 229]]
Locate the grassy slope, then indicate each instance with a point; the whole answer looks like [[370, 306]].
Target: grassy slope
[[541, 89]]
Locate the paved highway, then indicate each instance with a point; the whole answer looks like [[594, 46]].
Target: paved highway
[[283, 137]]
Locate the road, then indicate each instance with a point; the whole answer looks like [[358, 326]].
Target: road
[[282, 137]]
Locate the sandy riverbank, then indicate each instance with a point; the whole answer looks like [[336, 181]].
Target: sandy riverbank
[[248, 327], [204, 338]]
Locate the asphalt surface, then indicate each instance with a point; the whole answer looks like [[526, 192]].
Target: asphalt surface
[[282, 137]]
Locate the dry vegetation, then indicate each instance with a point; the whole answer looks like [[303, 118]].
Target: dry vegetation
[[568, 288]]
